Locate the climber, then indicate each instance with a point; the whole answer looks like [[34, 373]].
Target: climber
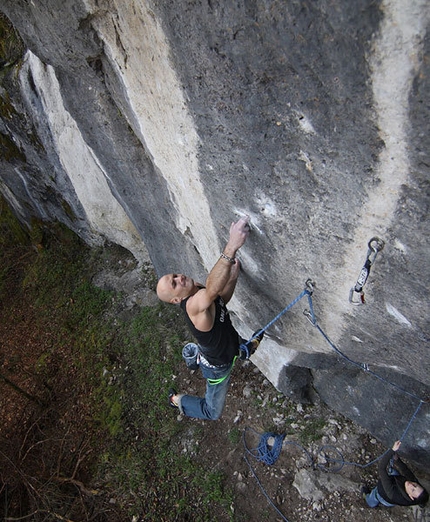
[[209, 321], [396, 487]]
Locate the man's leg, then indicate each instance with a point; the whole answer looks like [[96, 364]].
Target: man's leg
[[371, 498], [211, 406]]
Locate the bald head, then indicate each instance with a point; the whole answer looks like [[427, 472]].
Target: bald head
[[164, 289], [173, 288]]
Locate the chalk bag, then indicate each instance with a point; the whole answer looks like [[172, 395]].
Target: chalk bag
[[190, 352]]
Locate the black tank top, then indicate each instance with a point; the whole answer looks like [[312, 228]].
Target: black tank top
[[221, 344]]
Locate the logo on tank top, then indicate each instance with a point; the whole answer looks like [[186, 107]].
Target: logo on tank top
[[222, 314]]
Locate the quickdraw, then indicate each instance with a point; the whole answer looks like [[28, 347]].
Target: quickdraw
[[308, 291], [375, 245]]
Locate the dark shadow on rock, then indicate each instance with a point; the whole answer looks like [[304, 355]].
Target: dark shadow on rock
[[296, 383]]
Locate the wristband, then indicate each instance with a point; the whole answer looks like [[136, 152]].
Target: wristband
[[229, 259]]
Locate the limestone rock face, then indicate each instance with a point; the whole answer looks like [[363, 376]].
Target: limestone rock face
[[154, 124]]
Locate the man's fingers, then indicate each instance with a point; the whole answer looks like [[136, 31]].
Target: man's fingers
[[242, 225], [244, 220], [239, 231]]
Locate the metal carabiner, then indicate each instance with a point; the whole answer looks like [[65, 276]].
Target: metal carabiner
[[310, 286], [309, 317], [374, 246], [352, 298]]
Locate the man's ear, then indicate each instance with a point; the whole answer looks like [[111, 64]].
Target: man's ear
[[175, 300]]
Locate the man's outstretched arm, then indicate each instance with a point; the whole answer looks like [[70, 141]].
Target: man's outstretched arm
[[223, 276]]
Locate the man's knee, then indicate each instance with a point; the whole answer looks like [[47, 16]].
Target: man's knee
[[213, 414]]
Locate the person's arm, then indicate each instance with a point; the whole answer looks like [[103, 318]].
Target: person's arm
[[404, 470], [222, 278], [228, 290], [383, 463], [386, 480]]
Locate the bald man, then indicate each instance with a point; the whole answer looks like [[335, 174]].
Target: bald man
[[209, 321]]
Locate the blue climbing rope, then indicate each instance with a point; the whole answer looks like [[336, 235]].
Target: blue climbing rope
[[266, 452], [264, 491], [269, 455], [343, 462], [411, 420], [307, 291]]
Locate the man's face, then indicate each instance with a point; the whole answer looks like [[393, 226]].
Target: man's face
[[172, 288], [413, 489]]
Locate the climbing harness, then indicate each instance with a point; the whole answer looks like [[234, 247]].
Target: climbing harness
[[267, 452], [375, 245], [214, 382]]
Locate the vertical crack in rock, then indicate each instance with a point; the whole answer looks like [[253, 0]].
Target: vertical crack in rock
[[155, 105]]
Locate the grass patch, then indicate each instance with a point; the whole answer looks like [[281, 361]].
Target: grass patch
[[147, 458], [235, 436], [313, 431]]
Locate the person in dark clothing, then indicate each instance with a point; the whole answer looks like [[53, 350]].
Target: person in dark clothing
[[209, 321], [397, 485]]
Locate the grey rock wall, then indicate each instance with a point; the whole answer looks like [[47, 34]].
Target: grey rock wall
[[154, 124]]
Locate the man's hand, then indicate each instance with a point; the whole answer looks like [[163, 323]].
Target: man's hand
[[239, 231], [396, 445]]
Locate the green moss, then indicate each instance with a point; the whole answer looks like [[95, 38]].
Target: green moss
[[68, 210], [110, 415], [9, 150], [11, 230], [6, 108], [11, 45], [120, 371], [234, 436]]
